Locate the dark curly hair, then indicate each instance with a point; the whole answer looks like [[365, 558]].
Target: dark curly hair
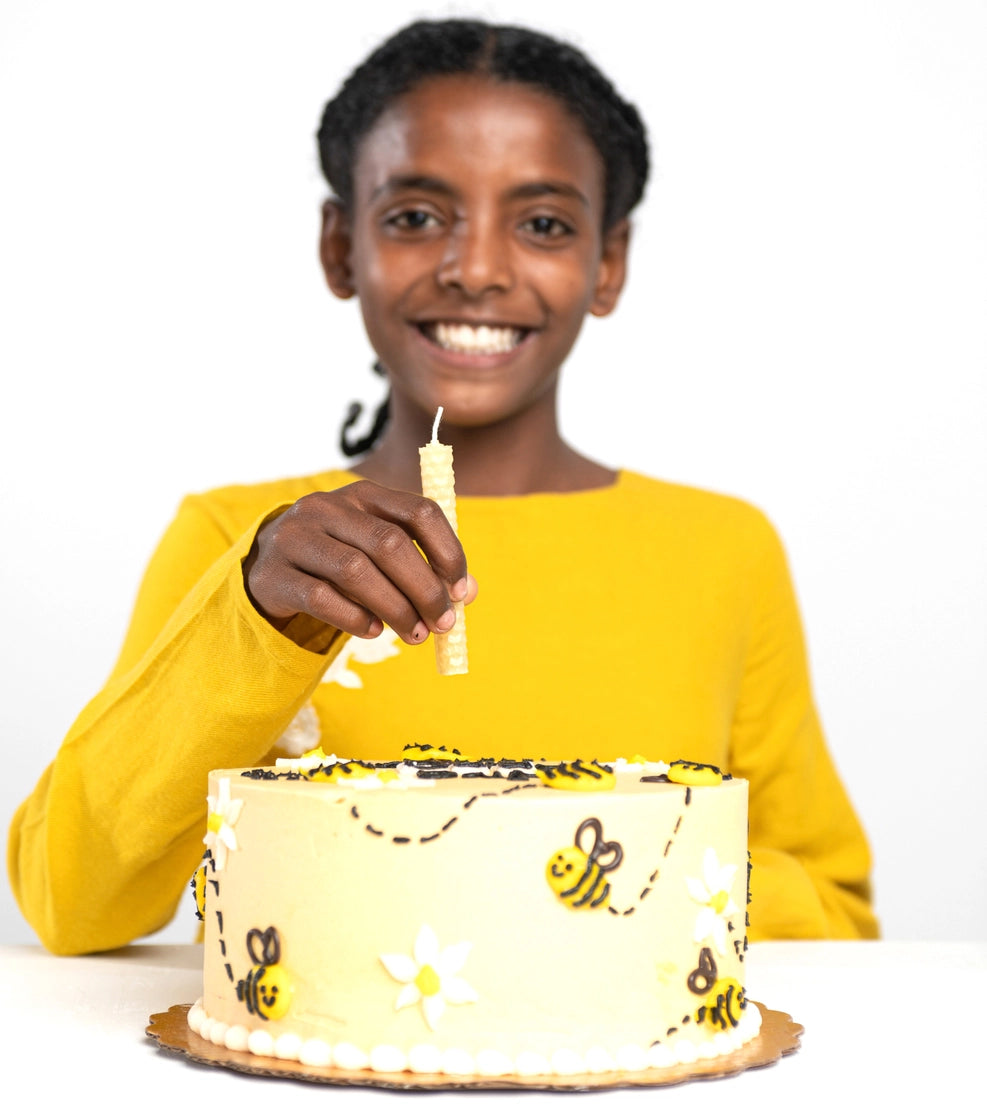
[[435, 48]]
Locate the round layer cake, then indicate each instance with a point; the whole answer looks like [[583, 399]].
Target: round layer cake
[[488, 918]]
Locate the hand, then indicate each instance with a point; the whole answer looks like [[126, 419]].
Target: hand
[[349, 559]]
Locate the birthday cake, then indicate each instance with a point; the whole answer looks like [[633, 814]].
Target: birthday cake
[[439, 915]]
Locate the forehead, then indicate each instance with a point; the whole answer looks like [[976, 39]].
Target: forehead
[[468, 130]]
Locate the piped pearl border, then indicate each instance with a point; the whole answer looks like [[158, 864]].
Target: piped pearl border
[[428, 1059]]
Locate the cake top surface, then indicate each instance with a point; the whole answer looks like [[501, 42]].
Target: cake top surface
[[443, 771]]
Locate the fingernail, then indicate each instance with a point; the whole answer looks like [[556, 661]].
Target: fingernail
[[458, 590], [420, 632], [445, 622]]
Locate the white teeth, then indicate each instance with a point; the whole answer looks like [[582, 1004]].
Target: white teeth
[[479, 340]]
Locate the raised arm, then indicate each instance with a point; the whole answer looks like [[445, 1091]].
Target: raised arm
[[102, 850]]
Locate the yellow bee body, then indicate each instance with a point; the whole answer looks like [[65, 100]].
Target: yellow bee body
[[198, 884], [577, 876], [694, 773], [268, 988], [723, 1006], [266, 991]]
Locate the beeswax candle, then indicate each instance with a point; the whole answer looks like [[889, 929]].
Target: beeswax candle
[[439, 483]]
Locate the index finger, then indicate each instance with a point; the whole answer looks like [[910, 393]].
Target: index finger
[[425, 522]]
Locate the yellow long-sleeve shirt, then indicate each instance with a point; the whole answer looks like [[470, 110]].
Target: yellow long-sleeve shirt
[[641, 618]]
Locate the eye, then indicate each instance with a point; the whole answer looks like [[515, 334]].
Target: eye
[[547, 227], [412, 220]]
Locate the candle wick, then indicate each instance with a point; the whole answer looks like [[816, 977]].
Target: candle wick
[[435, 426]]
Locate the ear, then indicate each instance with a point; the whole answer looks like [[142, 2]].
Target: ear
[[334, 249], [612, 269]]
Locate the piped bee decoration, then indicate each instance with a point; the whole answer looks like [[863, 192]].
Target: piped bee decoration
[[723, 1006], [200, 882], [268, 988], [576, 875]]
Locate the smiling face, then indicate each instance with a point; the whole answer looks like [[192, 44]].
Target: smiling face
[[475, 245]]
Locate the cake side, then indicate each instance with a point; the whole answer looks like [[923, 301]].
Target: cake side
[[480, 921]]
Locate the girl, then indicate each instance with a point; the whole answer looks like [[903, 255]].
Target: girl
[[483, 178]]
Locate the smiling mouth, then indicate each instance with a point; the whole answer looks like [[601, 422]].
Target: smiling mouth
[[473, 339]]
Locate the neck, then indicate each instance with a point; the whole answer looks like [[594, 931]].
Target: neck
[[519, 455]]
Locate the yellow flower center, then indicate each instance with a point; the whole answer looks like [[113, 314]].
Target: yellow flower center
[[214, 822], [719, 901], [427, 981]]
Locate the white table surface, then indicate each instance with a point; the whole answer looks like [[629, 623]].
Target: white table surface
[[883, 1022]]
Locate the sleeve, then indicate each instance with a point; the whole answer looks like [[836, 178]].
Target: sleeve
[[810, 862], [103, 849]]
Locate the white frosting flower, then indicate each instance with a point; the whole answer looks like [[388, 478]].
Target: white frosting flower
[[220, 837], [365, 651], [713, 893], [431, 976]]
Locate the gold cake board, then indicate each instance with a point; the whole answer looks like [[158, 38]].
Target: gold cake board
[[779, 1036]]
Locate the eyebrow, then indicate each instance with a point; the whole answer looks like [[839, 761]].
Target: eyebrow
[[527, 190]]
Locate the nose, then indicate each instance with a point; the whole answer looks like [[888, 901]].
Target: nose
[[477, 259]]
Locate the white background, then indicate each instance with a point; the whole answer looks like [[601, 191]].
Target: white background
[[805, 326]]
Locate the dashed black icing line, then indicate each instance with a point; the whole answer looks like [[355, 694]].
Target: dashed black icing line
[[632, 908], [219, 921], [401, 840], [654, 877]]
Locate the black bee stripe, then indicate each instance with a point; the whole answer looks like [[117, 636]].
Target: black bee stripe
[[603, 896], [587, 897], [590, 876]]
